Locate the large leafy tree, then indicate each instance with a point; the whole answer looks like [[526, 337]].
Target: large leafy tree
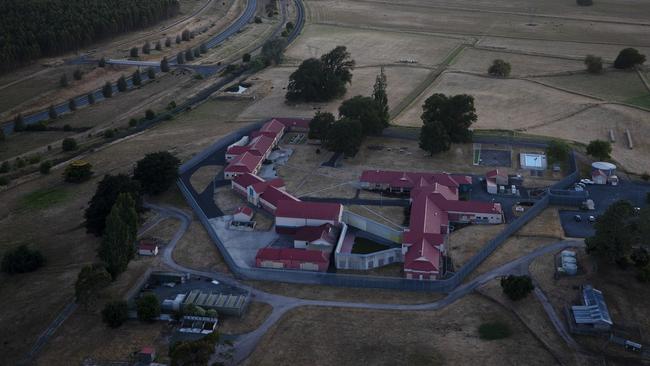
[[557, 151], [321, 80], [320, 125], [148, 307], [599, 149], [22, 260], [434, 138], [615, 233], [451, 117], [90, 282], [105, 197], [273, 51], [365, 110], [157, 172], [517, 287], [345, 136], [115, 313], [628, 57]]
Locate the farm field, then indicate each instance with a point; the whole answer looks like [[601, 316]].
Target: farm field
[[613, 86], [425, 338]]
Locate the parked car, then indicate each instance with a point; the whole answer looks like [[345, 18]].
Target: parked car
[[215, 282], [578, 218], [586, 181], [592, 219], [578, 188]]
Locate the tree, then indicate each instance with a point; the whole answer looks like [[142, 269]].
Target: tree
[[168, 42], [456, 113], [628, 57], [434, 138], [78, 74], [557, 151], [246, 57], [499, 68], [92, 279], [599, 149], [516, 287], [133, 52], [69, 144], [180, 58], [107, 90], [117, 247], [185, 35], [164, 65], [156, 172], [203, 48], [365, 110], [320, 80], [22, 260], [158, 46], [149, 114], [63, 81], [115, 313], [178, 39], [72, 105], [108, 190], [151, 73], [121, 84], [45, 167], [594, 64], [197, 352], [148, 307], [273, 51], [102, 62], [136, 78], [640, 257], [19, 123], [196, 53], [91, 98], [614, 233], [52, 113], [381, 97], [320, 125], [5, 167], [189, 55], [78, 171], [345, 136]]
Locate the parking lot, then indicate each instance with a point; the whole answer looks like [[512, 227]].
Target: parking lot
[[603, 196]]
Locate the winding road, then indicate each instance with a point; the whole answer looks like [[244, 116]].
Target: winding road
[[245, 344]]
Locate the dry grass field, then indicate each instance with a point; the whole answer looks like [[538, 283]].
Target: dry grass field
[[269, 88], [508, 104], [372, 47], [325, 336], [613, 85], [255, 315], [479, 60]]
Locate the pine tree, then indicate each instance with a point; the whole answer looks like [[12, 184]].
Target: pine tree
[[164, 65], [168, 42], [113, 249], [178, 39], [121, 84], [381, 97], [197, 53], [203, 48], [19, 123], [180, 58], [102, 62], [136, 77], [63, 81], [189, 56], [72, 104], [146, 48], [134, 52], [91, 98], [151, 73], [158, 46], [107, 90], [51, 112], [126, 207]]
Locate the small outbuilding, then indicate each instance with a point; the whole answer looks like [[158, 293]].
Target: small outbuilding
[[533, 161], [146, 355], [593, 312], [243, 214], [147, 247]]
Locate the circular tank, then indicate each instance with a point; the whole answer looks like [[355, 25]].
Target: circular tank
[[605, 167]]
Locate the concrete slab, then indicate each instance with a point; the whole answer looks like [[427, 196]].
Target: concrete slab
[[242, 245]]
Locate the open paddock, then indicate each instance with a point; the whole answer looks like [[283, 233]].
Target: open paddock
[[270, 85], [372, 47], [428, 338], [501, 103], [479, 60]]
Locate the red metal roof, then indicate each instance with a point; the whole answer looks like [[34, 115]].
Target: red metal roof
[[496, 173], [309, 210], [262, 186], [312, 233], [292, 254], [274, 196], [422, 257], [147, 246], [272, 126], [245, 163], [148, 350], [413, 179], [247, 179], [301, 123]]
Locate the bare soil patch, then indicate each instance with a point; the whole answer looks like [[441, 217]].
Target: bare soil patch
[[349, 337]]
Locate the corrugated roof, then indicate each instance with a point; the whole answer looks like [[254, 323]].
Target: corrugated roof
[[245, 163], [275, 195], [309, 210]]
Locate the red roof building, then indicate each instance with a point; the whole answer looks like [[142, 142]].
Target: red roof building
[[295, 124], [245, 163], [295, 214], [396, 181], [272, 196], [260, 146], [243, 214], [315, 236], [291, 258], [147, 248], [241, 182]]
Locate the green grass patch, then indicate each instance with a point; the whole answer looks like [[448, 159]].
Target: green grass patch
[[494, 330], [366, 246], [642, 101], [44, 198]]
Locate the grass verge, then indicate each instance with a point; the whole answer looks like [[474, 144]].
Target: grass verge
[[44, 198], [494, 330]]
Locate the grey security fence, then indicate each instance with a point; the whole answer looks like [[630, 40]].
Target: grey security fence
[[346, 280]]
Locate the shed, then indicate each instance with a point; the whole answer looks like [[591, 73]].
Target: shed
[[147, 248], [146, 355], [243, 214]]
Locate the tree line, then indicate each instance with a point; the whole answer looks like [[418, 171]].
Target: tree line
[[32, 28]]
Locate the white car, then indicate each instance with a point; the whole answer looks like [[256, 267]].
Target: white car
[[215, 282], [586, 181]]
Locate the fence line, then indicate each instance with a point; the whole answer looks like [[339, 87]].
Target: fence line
[[346, 280]]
